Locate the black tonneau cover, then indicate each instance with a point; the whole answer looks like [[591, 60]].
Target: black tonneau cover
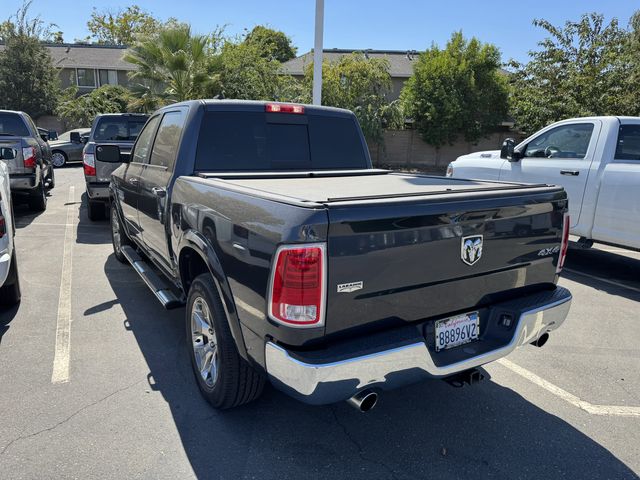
[[357, 185]]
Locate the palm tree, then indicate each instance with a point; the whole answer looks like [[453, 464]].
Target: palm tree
[[171, 65]]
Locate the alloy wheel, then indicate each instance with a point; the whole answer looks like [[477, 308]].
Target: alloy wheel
[[204, 342], [57, 159]]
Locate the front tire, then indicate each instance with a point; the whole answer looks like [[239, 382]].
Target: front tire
[[38, 198], [225, 379], [58, 158], [119, 237], [10, 293]]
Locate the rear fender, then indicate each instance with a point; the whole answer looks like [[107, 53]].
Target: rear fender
[[197, 242]]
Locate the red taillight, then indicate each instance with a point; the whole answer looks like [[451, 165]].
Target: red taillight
[[297, 286], [283, 108], [564, 246], [89, 164], [29, 157]]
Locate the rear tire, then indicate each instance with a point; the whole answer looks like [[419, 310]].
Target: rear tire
[[119, 237], [38, 198], [96, 211], [231, 381], [10, 292], [50, 179]]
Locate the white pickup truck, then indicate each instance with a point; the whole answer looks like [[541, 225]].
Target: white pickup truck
[[596, 160]]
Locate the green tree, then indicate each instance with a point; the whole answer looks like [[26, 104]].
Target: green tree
[[272, 44], [172, 65], [121, 27], [28, 79], [360, 84], [581, 69], [456, 91], [79, 111], [632, 60], [245, 73]]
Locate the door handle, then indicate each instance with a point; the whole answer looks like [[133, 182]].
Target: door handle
[[133, 181], [159, 192], [573, 173]]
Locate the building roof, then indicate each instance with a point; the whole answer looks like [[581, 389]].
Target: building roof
[[400, 61], [77, 55]]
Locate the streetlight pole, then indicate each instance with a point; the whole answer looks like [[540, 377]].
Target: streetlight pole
[[317, 54]]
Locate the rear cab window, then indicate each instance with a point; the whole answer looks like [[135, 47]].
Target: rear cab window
[[12, 124], [118, 129], [260, 141], [628, 145]]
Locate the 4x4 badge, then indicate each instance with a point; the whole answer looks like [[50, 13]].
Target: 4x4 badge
[[471, 249]]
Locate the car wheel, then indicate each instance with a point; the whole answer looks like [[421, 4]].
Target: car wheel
[[38, 198], [96, 211], [58, 158], [10, 292], [225, 379], [119, 237]]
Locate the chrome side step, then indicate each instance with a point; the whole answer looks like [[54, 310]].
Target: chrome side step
[[156, 284]]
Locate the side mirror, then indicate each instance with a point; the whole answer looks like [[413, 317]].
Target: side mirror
[[53, 135], [74, 137], [44, 136], [110, 154], [84, 139], [508, 151], [7, 153]]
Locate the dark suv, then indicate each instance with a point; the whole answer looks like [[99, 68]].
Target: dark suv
[[119, 129]]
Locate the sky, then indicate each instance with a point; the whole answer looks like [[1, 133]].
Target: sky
[[353, 24]]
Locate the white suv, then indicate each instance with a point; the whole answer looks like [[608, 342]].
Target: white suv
[[9, 281]]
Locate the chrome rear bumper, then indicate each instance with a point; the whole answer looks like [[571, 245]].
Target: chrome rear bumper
[[323, 383]]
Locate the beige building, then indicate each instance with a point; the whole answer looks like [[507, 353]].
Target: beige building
[[400, 64], [90, 66]]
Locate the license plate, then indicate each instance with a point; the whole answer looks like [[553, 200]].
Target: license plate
[[454, 331]]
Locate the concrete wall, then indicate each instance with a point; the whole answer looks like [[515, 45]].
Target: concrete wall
[[404, 149]]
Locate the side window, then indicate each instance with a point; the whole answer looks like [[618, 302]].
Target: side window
[[565, 141], [628, 146], [165, 147], [142, 146]]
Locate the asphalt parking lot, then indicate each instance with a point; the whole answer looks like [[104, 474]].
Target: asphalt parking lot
[[95, 383]]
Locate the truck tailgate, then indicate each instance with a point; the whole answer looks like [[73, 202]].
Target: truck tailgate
[[15, 165], [407, 260], [395, 241]]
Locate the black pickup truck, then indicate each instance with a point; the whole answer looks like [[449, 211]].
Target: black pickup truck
[[300, 263]]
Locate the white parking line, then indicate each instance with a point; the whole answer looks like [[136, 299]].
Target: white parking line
[[605, 280], [60, 372], [610, 410]]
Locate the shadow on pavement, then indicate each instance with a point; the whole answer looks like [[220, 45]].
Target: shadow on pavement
[[23, 214], [610, 266], [88, 231], [429, 430], [7, 314]]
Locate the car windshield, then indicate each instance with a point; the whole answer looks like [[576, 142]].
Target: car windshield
[[12, 124], [232, 141], [118, 129]]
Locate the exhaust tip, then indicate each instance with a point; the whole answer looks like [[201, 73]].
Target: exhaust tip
[[541, 340], [364, 401]]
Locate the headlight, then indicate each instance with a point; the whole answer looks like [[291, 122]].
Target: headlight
[[449, 170]]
